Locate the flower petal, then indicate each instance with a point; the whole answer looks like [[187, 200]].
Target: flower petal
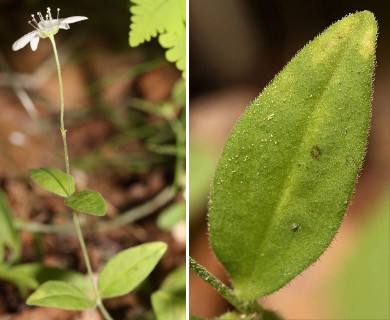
[[20, 43], [63, 25], [73, 19], [34, 43]]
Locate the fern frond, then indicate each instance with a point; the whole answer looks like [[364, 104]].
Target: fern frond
[[175, 43], [166, 18]]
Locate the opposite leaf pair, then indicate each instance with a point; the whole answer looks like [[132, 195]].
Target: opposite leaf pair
[[56, 181], [120, 275]]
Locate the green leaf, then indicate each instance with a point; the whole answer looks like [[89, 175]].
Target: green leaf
[[169, 302], [87, 201], [53, 180], [165, 17], [62, 295], [42, 274], [172, 215], [289, 167], [175, 282], [168, 306], [19, 278], [8, 235], [129, 268]]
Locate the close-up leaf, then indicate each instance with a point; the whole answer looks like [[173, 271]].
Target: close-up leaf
[[87, 201], [53, 180], [129, 268], [289, 167], [62, 295]]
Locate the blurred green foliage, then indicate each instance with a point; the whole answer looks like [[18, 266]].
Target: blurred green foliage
[[169, 302], [202, 165], [361, 289], [9, 238]]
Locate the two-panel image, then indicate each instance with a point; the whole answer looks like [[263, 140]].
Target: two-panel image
[[194, 160]]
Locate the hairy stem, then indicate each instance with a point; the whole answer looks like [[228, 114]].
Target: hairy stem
[[62, 108], [241, 305], [100, 305], [84, 251]]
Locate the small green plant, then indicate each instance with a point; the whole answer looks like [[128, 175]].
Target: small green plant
[[125, 270], [164, 18], [289, 167]]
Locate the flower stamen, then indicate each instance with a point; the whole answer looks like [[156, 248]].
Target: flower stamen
[[33, 25], [33, 20], [49, 14], [39, 14]]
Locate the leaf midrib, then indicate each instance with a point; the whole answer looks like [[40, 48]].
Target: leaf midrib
[[56, 179]]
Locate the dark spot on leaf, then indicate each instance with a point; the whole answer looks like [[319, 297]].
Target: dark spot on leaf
[[316, 152]]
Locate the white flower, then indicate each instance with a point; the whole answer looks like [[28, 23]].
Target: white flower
[[47, 27]]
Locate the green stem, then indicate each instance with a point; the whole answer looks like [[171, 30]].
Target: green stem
[[104, 311], [84, 251], [99, 304], [241, 305], [74, 214], [62, 108]]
